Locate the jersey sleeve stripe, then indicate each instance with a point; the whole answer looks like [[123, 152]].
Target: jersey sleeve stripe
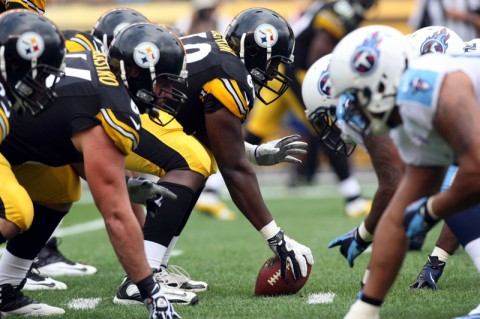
[[30, 5], [233, 89], [84, 42], [4, 126], [125, 137]]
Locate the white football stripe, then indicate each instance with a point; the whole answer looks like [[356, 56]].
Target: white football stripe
[[83, 303], [321, 298]]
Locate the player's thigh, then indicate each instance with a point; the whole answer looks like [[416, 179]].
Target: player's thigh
[[15, 204], [49, 185], [168, 148]]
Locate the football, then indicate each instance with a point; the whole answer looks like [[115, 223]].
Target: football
[[269, 282]]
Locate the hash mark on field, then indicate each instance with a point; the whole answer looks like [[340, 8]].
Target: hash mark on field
[[83, 303], [321, 298]]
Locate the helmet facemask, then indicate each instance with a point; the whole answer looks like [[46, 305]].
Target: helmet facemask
[[324, 122], [265, 75], [35, 90], [151, 101]]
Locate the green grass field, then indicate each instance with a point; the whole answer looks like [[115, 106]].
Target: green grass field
[[228, 256]]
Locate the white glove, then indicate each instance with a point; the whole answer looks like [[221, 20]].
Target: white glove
[[276, 151], [292, 252], [141, 190], [159, 307]]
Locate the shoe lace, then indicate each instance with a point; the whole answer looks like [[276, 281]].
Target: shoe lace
[[34, 274], [172, 274]]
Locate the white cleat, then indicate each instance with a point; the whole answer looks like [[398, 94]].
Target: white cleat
[[14, 302], [37, 282], [51, 263], [177, 277]]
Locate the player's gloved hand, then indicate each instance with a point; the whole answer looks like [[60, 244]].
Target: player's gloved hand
[[351, 245], [291, 252], [430, 274], [276, 151], [141, 189], [417, 219], [158, 306]]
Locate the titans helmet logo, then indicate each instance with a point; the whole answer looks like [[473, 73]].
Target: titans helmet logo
[[266, 35], [146, 54], [324, 84], [30, 45], [437, 43], [365, 57]]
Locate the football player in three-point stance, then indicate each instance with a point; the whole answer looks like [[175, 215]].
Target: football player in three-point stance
[[32, 49], [413, 98], [94, 134], [316, 33], [224, 76]]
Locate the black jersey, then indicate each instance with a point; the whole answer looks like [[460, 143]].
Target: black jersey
[[215, 74], [89, 95]]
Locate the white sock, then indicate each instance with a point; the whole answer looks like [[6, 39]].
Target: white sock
[[349, 187], [168, 253], [13, 269], [440, 253], [155, 253], [473, 250]]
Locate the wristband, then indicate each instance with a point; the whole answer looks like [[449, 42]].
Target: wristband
[[250, 151], [269, 230], [364, 233], [146, 286]]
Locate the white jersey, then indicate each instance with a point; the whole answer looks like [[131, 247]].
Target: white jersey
[[416, 139]]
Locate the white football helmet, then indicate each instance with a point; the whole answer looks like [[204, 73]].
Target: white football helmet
[[437, 39], [369, 63], [321, 106]]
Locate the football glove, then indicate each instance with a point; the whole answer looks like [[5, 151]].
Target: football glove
[[351, 245], [276, 151], [158, 306], [430, 274], [141, 189], [417, 219], [291, 252]]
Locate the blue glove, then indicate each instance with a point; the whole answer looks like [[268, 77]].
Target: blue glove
[[417, 220], [430, 274], [351, 245]]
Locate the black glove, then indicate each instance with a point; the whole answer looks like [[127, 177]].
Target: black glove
[[430, 274], [291, 251], [158, 306]]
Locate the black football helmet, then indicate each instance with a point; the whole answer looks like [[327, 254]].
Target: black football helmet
[[112, 21], [263, 40], [143, 55], [31, 49]]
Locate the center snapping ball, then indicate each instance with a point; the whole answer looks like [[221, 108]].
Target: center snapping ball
[[269, 282]]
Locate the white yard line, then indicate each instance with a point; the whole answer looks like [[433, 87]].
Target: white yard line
[[83, 303], [321, 298]]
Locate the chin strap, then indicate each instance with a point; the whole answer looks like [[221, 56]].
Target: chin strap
[[123, 73], [3, 69], [242, 48]]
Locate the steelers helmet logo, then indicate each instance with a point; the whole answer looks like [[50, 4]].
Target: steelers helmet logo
[[146, 54], [30, 45], [266, 35]]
